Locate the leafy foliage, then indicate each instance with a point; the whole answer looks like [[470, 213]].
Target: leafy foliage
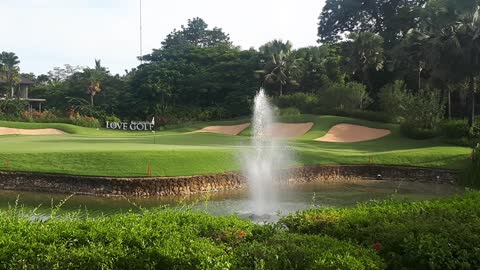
[[165, 239], [423, 114], [349, 96], [392, 98], [421, 235]]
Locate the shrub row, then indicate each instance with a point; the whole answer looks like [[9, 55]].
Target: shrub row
[[439, 234], [339, 96], [167, 239]]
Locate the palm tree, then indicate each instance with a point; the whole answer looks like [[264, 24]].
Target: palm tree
[[466, 37], [96, 75], [9, 70], [453, 51], [282, 69], [275, 47], [363, 52]]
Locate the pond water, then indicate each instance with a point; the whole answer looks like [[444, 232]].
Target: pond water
[[292, 198]]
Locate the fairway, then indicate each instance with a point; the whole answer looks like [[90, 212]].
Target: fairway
[[179, 152]]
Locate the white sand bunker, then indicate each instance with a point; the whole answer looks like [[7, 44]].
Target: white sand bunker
[[288, 130], [228, 130], [19, 131], [352, 133]]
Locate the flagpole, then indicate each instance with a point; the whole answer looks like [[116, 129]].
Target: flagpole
[[141, 45]]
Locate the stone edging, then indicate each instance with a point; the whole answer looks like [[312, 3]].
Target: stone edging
[[184, 185]]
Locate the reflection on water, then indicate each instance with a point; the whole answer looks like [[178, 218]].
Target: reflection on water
[[291, 198]]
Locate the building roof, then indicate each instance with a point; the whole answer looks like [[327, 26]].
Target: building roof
[[23, 81]]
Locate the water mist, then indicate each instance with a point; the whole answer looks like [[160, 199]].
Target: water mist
[[263, 165]]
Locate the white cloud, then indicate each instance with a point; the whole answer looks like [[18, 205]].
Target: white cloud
[[49, 33]]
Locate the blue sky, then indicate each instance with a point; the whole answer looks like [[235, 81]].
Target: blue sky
[[50, 33]]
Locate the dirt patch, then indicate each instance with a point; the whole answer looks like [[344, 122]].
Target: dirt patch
[[19, 131], [288, 130], [352, 133], [228, 130]]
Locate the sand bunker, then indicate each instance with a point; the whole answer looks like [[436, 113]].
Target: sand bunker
[[288, 130], [352, 133], [19, 131], [228, 130]]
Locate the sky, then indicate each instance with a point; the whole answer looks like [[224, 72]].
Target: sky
[[50, 33]]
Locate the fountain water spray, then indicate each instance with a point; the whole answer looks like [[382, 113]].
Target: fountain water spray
[[262, 168]]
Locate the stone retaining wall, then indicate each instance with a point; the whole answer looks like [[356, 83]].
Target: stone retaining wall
[[163, 186]]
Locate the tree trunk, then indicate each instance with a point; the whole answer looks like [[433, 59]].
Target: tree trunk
[[91, 100], [281, 89], [471, 118], [449, 104], [419, 75], [366, 80]]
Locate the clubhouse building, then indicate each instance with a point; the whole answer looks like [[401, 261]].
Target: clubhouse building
[[34, 104]]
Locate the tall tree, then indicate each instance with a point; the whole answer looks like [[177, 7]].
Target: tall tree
[[391, 19], [363, 52], [96, 75], [312, 71], [196, 34], [10, 70], [453, 51], [282, 70], [274, 47]]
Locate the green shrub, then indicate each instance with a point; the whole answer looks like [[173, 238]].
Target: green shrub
[[455, 129], [13, 107], [423, 114], [349, 97], [305, 103], [158, 239], [365, 115], [39, 117], [112, 118], [85, 121], [417, 133], [289, 111], [392, 97], [438, 234], [292, 251], [212, 113], [470, 176]]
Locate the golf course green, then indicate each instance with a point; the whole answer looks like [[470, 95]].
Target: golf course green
[[179, 152]]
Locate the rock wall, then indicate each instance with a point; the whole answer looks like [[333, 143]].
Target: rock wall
[[163, 186]]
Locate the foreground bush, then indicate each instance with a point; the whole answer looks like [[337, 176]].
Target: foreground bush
[[166, 239], [292, 251], [440, 234]]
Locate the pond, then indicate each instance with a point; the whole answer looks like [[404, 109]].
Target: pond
[[292, 198]]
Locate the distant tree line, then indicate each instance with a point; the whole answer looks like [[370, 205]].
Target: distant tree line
[[372, 53]]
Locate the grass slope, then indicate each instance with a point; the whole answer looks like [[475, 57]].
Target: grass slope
[[120, 153]]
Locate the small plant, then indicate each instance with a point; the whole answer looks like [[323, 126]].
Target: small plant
[[348, 97], [84, 121], [392, 98], [423, 114], [305, 103], [289, 111], [13, 107]]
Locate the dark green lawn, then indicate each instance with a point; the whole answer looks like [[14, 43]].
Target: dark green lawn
[[175, 152]]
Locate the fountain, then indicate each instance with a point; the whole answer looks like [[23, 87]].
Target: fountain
[[262, 168]]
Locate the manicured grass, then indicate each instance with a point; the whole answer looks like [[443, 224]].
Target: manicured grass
[[175, 152]]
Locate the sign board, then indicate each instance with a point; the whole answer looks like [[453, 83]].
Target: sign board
[[132, 126]]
